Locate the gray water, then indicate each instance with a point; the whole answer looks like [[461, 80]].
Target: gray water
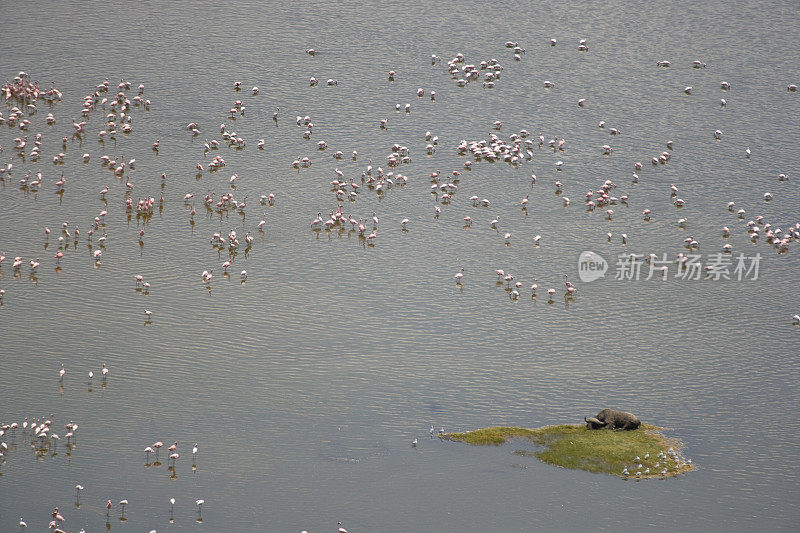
[[305, 385]]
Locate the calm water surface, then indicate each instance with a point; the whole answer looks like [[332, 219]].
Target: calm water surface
[[304, 386]]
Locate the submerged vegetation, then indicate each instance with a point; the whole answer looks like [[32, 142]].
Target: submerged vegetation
[[643, 453]]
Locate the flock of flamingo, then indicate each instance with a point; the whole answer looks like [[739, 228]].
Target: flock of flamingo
[[26, 93], [22, 96], [116, 107], [38, 434]]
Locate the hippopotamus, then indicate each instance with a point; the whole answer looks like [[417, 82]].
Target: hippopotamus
[[612, 419]]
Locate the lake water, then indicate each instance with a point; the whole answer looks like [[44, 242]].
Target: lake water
[[305, 385]]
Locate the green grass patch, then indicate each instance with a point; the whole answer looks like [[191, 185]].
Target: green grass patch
[[603, 450]]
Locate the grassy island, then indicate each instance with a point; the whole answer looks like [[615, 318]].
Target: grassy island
[[603, 450]]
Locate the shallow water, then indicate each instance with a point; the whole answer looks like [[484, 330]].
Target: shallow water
[[304, 386]]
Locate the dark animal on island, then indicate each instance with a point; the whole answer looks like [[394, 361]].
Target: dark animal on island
[[612, 419], [593, 423]]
